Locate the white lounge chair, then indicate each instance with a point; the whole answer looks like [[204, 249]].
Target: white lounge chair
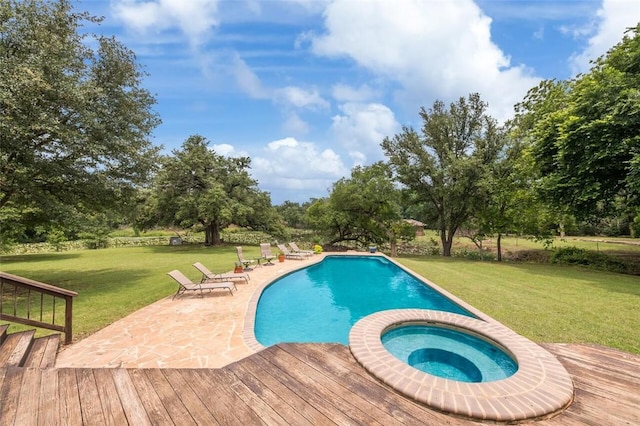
[[289, 254], [296, 249], [208, 276], [185, 284]]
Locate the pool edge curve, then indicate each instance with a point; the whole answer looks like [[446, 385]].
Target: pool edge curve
[[541, 387]]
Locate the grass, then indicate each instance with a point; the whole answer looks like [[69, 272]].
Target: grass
[[513, 244], [546, 303], [114, 282]]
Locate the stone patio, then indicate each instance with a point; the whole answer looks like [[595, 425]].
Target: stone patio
[[188, 332]]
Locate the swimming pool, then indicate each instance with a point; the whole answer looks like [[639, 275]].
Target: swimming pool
[[322, 302], [540, 386]]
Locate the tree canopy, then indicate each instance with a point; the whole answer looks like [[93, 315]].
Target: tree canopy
[[74, 121], [363, 208], [197, 186], [585, 133], [445, 163]]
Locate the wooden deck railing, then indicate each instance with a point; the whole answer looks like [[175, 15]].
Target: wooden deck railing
[[18, 303]]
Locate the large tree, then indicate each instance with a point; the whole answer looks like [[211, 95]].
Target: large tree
[[363, 208], [586, 134], [74, 121], [197, 186], [445, 163]]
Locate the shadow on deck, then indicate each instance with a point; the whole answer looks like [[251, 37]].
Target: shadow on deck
[[287, 384]]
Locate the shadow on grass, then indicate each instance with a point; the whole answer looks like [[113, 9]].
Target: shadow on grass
[[42, 257]]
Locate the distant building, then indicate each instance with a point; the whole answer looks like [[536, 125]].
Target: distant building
[[417, 225]]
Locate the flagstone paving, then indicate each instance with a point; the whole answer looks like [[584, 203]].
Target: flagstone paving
[[188, 332]]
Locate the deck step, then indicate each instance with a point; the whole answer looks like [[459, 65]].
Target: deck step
[[44, 351], [15, 348], [3, 332]]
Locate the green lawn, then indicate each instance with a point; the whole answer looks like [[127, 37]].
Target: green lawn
[[114, 282], [547, 303]]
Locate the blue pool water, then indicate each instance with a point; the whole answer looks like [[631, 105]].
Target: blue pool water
[[448, 353], [321, 303]]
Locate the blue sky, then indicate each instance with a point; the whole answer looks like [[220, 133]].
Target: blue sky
[[309, 88]]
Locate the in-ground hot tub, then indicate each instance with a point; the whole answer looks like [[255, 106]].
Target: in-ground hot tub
[[449, 353], [540, 387]]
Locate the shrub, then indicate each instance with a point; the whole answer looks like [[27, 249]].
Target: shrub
[[473, 254], [578, 256], [535, 256]]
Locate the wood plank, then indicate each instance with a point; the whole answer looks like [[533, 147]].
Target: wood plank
[[349, 403], [110, 400], [3, 372], [36, 353], [15, 347], [154, 407], [591, 410], [3, 332], [189, 398], [89, 397], [51, 351], [70, 412], [48, 406], [353, 376], [254, 400], [297, 384], [312, 393], [133, 408], [10, 394], [263, 393], [270, 378], [169, 397], [611, 355], [43, 352], [563, 419], [27, 412], [614, 361], [229, 407], [610, 388]]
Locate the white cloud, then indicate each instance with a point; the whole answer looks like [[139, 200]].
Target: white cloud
[[225, 150], [247, 80], [613, 18], [539, 33], [433, 49], [301, 98], [300, 170], [295, 125], [195, 18], [346, 93], [362, 127]]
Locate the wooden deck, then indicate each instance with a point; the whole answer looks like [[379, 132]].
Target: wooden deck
[[301, 384]]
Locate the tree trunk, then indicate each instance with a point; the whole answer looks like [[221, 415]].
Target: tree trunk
[[208, 235], [499, 246], [215, 234], [447, 242], [394, 248]]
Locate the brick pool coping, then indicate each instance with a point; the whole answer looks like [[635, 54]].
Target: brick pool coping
[[540, 388]]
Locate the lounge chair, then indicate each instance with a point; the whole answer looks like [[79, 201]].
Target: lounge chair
[[185, 284], [289, 254], [265, 251], [246, 262], [296, 249], [208, 276]]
